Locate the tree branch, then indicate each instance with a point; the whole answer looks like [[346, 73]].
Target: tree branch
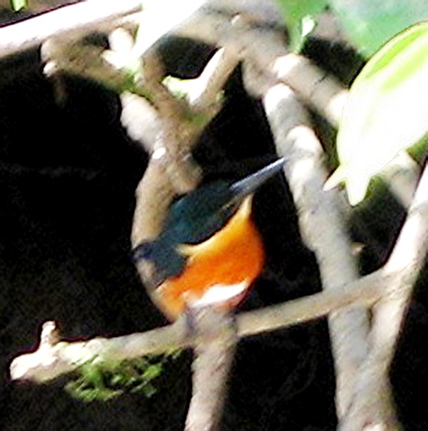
[[373, 394], [170, 171], [79, 18], [55, 358], [306, 177], [211, 367], [173, 143]]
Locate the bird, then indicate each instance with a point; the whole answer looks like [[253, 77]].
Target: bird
[[209, 250]]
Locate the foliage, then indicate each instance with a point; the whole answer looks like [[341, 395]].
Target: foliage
[[18, 4], [99, 380], [385, 112], [368, 23], [300, 18], [371, 23]]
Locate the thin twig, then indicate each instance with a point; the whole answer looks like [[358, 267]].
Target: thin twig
[[207, 88]]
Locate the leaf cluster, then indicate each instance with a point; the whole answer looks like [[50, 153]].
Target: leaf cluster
[[369, 24], [102, 381]]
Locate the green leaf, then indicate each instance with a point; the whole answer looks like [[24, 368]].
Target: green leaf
[[371, 23], [300, 18], [152, 372], [386, 111], [17, 5], [99, 380]]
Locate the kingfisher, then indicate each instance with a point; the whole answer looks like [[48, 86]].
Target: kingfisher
[[209, 251]]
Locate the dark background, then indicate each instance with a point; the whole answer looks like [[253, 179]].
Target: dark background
[[67, 179]]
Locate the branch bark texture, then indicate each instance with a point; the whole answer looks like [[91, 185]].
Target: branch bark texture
[[295, 139]]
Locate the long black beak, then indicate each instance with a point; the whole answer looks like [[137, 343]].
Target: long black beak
[[249, 184]]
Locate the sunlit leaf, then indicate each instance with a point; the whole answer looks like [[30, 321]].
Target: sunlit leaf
[[18, 4], [300, 18], [386, 111], [371, 23]]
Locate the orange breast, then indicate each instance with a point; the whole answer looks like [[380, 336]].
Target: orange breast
[[233, 256]]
